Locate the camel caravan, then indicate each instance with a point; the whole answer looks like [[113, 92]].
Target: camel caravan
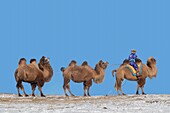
[[38, 74]]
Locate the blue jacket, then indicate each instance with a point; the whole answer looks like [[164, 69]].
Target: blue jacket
[[132, 57]]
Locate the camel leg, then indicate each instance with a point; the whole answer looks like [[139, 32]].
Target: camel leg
[[66, 81], [68, 88], [118, 86], [22, 88], [64, 87], [143, 90], [40, 85], [18, 86], [137, 91], [85, 89], [141, 84], [88, 91], [41, 93], [87, 85], [33, 85]]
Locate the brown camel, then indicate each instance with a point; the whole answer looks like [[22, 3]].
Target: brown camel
[[83, 73], [148, 70], [35, 74]]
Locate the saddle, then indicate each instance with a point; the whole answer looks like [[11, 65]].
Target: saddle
[[133, 71]]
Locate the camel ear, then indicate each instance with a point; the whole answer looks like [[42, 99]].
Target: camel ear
[[100, 61]]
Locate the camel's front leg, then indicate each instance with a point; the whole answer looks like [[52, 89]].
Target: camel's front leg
[[143, 90], [40, 85], [137, 91]]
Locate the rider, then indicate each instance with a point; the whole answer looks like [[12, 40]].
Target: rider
[[132, 58]]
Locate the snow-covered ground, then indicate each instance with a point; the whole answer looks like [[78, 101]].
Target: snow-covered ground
[[11, 103]]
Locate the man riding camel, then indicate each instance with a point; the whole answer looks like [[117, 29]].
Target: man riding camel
[[132, 58]]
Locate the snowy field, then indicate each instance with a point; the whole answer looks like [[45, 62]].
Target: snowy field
[[11, 103]]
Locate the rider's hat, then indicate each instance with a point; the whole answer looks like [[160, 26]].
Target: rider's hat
[[133, 51]]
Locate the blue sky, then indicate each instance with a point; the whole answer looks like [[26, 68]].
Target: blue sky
[[84, 30]]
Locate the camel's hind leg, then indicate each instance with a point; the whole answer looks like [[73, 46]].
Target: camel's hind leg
[[18, 88], [66, 86], [19, 85], [33, 85], [87, 85], [118, 86]]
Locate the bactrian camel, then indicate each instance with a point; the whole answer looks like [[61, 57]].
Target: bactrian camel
[[83, 73], [148, 70]]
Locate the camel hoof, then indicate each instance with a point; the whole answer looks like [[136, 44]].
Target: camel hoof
[[42, 95], [19, 95], [143, 94], [66, 95], [123, 94], [26, 95], [72, 95]]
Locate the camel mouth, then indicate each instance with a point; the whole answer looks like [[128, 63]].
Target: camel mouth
[[47, 59]]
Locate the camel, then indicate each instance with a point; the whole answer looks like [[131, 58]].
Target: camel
[[35, 74], [148, 70], [83, 73]]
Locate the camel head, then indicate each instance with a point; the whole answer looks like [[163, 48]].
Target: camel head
[[43, 61], [151, 63], [100, 68], [102, 64], [45, 67], [22, 61]]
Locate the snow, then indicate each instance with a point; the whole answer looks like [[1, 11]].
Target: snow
[[11, 103]]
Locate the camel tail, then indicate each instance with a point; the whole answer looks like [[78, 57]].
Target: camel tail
[[113, 72], [16, 74], [62, 69]]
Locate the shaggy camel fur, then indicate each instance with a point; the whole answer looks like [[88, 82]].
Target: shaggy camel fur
[[83, 73], [148, 70], [35, 74]]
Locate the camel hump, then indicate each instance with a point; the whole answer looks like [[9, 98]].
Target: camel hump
[[62, 69], [72, 63], [22, 61], [138, 60], [32, 60], [84, 63]]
